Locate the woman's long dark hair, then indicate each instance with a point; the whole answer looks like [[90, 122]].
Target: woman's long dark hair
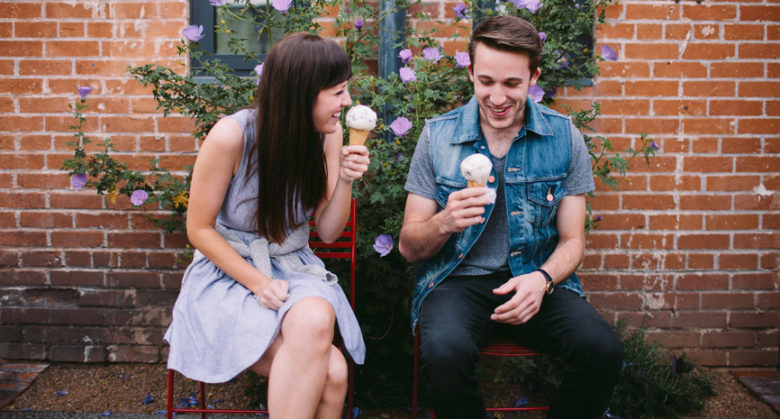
[[289, 159]]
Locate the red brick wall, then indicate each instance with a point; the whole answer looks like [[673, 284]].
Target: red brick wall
[[690, 242]]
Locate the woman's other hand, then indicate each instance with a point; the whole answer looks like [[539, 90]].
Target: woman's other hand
[[274, 294], [353, 162]]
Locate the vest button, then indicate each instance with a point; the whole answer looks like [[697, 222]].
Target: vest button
[[430, 285], [460, 256], [491, 179]]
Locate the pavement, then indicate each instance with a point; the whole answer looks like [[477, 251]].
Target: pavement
[[16, 377]]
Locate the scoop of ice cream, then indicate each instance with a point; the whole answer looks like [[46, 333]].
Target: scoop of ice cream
[[476, 168], [361, 117]]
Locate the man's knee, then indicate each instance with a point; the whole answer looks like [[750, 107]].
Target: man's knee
[[441, 357], [603, 349]]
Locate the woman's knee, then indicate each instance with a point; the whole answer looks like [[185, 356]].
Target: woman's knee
[[310, 321], [338, 372]]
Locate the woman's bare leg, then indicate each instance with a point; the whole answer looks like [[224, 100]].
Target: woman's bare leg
[[332, 402], [305, 377]]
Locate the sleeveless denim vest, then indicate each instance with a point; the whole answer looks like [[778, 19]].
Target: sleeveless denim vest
[[534, 173]]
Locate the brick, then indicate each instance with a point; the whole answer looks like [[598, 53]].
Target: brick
[[652, 126], [35, 29], [45, 67], [647, 241], [728, 339], [708, 51], [769, 13], [176, 124], [23, 351], [708, 125], [617, 301], [703, 241], [675, 183], [652, 51], [133, 353], [675, 338], [731, 222], [42, 181], [756, 50], [709, 88], [732, 182], [36, 258], [173, 10], [674, 262], [163, 299], [752, 202], [21, 48], [741, 31], [756, 164], [23, 238], [758, 126], [708, 164], [615, 30], [77, 238], [55, 10], [736, 107], [107, 298], [21, 86], [754, 281], [754, 241], [706, 31], [71, 29], [754, 320], [77, 200], [730, 300], [753, 357], [710, 12], [736, 70], [768, 300], [16, 10], [132, 260], [102, 67], [679, 69], [133, 10], [700, 319], [649, 202], [758, 88], [26, 277], [43, 104], [643, 11], [702, 282], [134, 239], [77, 353], [102, 220], [100, 29], [625, 107], [72, 49], [124, 124], [737, 261], [701, 261], [705, 202]]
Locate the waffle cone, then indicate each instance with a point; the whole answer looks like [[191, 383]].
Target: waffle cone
[[475, 184], [357, 136]]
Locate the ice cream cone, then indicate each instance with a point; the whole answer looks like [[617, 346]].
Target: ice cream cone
[[475, 184], [357, 136]]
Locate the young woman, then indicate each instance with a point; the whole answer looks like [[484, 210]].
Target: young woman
[[255, 296]]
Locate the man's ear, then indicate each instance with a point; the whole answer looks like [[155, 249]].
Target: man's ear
[[535, 76], [471, 72]]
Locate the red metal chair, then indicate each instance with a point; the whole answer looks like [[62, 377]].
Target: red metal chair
[[343, 248], [497, 347]]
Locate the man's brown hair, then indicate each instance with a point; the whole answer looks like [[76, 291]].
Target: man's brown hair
[[508, 33]]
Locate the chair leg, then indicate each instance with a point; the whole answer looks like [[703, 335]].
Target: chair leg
[[350, 390], [202, 388], [414, 375], [169, 402]]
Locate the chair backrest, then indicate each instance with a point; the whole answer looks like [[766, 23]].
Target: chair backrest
[[342, 248]]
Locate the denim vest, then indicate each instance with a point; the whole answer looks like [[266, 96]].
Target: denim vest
[[536, 166]]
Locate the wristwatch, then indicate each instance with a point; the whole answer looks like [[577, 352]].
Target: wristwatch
[[550, 287]]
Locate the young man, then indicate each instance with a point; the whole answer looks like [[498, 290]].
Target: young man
[[505, 267]]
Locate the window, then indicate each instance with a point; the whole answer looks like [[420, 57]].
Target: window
[[216, 43]]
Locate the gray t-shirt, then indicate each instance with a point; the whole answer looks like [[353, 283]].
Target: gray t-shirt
[[491, 251]]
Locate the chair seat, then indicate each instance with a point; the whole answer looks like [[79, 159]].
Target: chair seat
[[505, 347]]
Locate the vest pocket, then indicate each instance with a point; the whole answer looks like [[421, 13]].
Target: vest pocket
[[444, 187], [544, 197]]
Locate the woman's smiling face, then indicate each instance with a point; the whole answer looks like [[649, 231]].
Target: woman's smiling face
[[328, 106]]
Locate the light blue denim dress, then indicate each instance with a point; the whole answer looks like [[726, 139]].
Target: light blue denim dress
[[219, 328]]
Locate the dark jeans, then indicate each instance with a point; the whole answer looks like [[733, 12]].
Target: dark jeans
[[455, 320]]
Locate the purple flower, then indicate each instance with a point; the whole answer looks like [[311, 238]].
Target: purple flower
[[654, 145], [405, 55], [536, 93], [78, 181], [407, 74], [608, 53], [148, 399], [398, 156], [542, 36], [598, 218], [531, 5], [84, 91], [551, 93], [460, 10], [282, 5], [193, 32], [432, 54], [138, 197], [259, 69], [383, 244], [217, 2], [401, 126], [359, 23], [462, 59]]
